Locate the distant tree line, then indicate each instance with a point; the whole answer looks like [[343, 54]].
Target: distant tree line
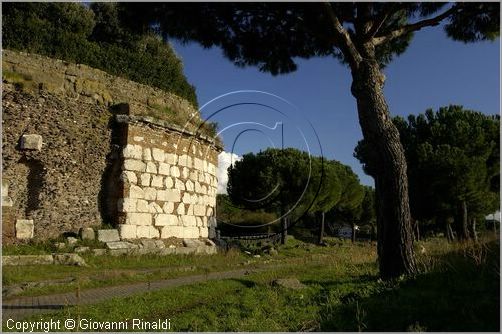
[[94, 36], [297, 186], [453, 158]]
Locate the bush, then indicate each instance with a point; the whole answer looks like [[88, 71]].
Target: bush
[[93, 36]]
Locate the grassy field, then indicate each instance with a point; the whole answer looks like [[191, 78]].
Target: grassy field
[[458, 290]]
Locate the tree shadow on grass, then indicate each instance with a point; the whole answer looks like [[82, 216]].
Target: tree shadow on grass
[[460, 297]]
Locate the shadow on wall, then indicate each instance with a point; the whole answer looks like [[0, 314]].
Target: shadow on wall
[[35, 182]]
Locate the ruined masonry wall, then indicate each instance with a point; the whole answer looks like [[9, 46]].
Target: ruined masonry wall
[[169, 184]]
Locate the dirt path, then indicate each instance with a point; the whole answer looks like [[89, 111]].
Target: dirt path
[[22, 307]]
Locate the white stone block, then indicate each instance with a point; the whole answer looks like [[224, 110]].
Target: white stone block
[[190, 210], [179, 185], [145, 179], [204, 221], [199, 210], [209, 211], [138, 138], [211, 169], [158, 154], [168, 207], [151, 167], [132, 152], [164, 169], [126, 205], [134, 165], [197, 187], [142, 206], [127, 231], [203, 190], [189, 185], [128, 177], [201, 177], [157, 181], [25, 229], [172, 231], [139, 219], [147, 232], [180, 209], [184, 172], [191, 232], [207, 178], [150, 194], [31, 142], [111, 235], [169, 195], [170, 158], [136, 192], [147, 154], [198, 164], [185, 161], [155, 208], [175, 171], [166, 220], [187, 199], [188, 221], [195, 198], [194, 176], [198, 221], [169, 182], [203, 232]]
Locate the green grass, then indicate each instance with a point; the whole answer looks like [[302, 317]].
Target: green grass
[[458, 290]]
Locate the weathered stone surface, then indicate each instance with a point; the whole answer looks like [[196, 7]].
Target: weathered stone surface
[[121, 251], [71, 240], [99, 251], [170, 158], [127, 231], [189, 221], [134, 165], [169, 182], [69, 259], [129, 177], [169, 195], [172, 231], [180, 210], [155, 208], [151, 167], [166, 220], [147, 232], [185, 160], [199, 210], [193, 243], [175, 171], [164, 169], [31, 142], [26, 260], [147, 154], [145, 179], [120, 245], [190, 232], [158, 154], [203, 232], [25, 228], [142, 206], [289, 283], [157, 181], [81, 249], [168, 207], [139, 219], [136, 192], [160, 244], [132, 152], [87, 233], [127, 204], [108, 235], [150, 194]]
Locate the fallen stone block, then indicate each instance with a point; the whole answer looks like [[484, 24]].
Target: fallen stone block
[[289, 283], [26, 260], [25, 228], [31, 142], [81, 250], [108, 235], [120, 245], [69, 259], [99, 251], [71, 240], [193, 243], [87, 233], [118, 252]]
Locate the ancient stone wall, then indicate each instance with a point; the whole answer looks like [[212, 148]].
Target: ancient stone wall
[[75, 155], [168, 180]]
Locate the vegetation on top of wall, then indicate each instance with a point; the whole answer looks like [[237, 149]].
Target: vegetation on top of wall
[[93, 36]]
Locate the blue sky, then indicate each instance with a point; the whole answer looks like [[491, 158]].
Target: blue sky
[[320, 113]]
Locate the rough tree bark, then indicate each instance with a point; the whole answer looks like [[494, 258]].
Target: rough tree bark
[[394, 229], [461, 221], [472, 230]]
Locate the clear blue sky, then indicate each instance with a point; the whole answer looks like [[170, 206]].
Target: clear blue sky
[[433, 72]]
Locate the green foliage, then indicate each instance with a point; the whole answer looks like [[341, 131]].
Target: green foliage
[[75, 33], [453, 155]]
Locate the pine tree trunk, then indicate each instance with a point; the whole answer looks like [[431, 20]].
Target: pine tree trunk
[[472, 230], [388, 164], [321, 230], [461, 221]]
